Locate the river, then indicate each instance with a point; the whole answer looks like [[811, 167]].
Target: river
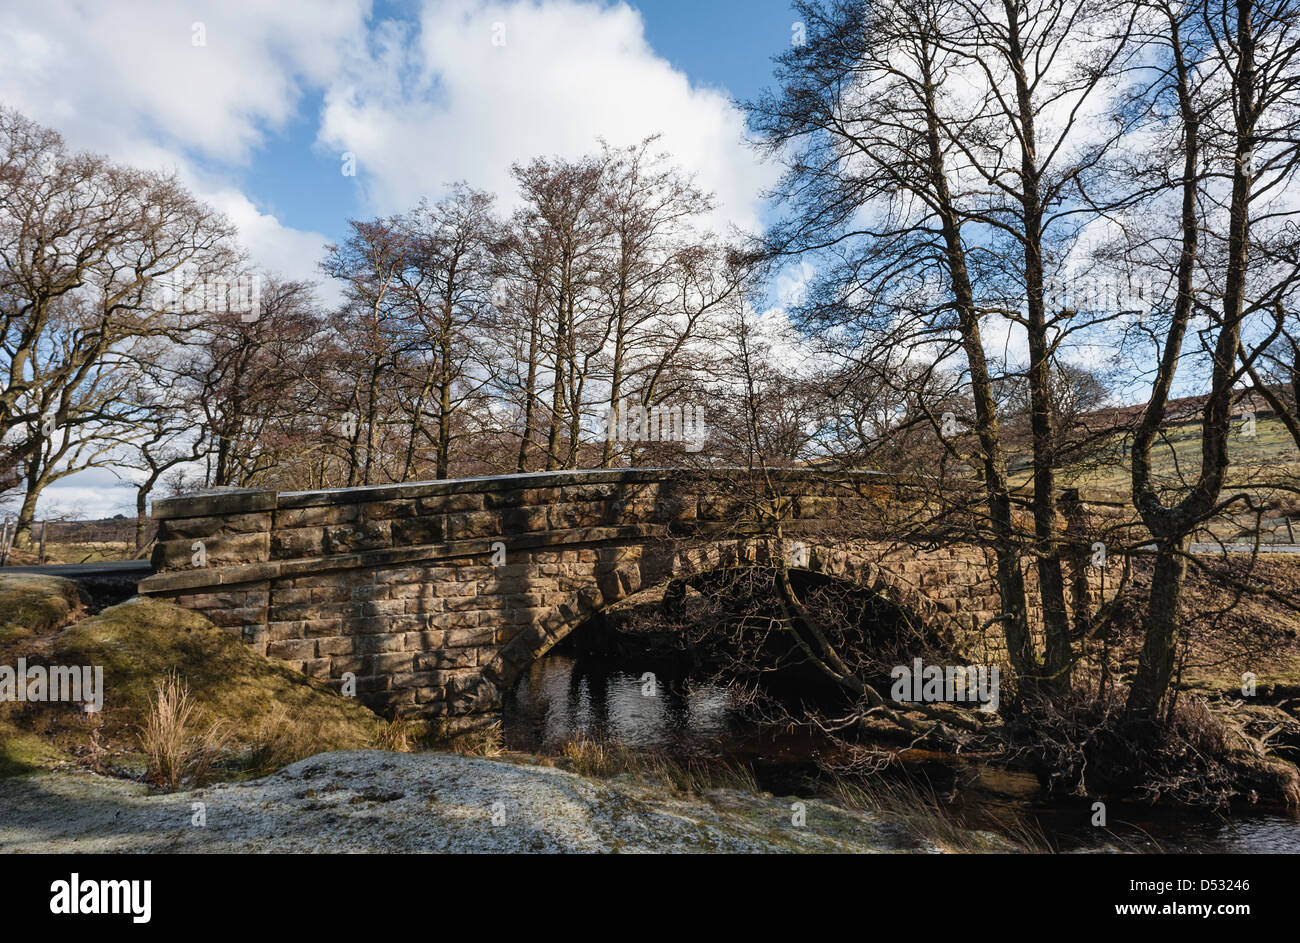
[[659, 707]]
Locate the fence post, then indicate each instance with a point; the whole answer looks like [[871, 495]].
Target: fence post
[[45, 527]]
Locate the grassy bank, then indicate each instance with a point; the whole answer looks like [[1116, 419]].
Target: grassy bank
[[258, 714]]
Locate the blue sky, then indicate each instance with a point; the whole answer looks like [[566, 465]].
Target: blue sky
[[727, 43]]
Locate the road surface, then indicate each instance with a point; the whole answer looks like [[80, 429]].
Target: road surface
[[73, 571]]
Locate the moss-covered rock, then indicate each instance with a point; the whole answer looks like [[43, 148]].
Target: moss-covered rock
[[1265, 777], [270, 714], [22, 751], [138, 641], [34, 605]]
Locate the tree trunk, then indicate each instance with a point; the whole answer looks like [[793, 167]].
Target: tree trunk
[[31, 497], [1051, 583], [615, 391], [1010, 576], [26, 518], [557, 389], [1173, 525], [141, 516], [444, 417], [530, 383], [1160, 628]]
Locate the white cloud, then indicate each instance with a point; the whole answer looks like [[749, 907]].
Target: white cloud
[[119, 73], [271, 245], [439, 102], [129, 81], [88, 495], [791, 284]]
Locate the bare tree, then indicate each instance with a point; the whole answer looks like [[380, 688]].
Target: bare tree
[[85, 247], [866, 106], [1228, 86], [252, 381], [444, 293], [368, 263], [562, 215]]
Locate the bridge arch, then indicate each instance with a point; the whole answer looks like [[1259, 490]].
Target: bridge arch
[[653, 567]]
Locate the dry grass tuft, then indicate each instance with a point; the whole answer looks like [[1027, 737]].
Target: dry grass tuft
[[696, 775], [923, 814], [600, 759], [278, 741], [177, 754], [486, 741], [398, 735], [588, 756]]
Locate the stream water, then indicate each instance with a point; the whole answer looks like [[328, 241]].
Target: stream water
[[569, 695]]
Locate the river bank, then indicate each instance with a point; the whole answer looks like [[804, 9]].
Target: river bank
[[361, 801], [586, 756]]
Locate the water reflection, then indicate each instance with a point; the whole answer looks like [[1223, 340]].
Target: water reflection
[[1270, 834], [1142, 829], [566, 697], [563, 698]]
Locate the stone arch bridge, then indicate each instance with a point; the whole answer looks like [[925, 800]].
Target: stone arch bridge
[[436, 596]]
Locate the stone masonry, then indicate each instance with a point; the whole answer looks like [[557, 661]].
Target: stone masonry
[[433, 597]]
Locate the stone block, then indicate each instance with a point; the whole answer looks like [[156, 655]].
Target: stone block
[[432, 694], [456, 620], [423, 605], [214, 503], [316, 667], [294, 542], [416, 531], [519, 520], [388, 510], [470, 524], [390, 662], [346, 664], [428, 640], [336, 645], [333, 621], [227, 618], [380, 644], [292, 649], [239, 549], [351, 538], [316, 516], [450, 503], [451, 658], [382, 607], [222, 526], [288, 596], [463, 638], [283, 631]]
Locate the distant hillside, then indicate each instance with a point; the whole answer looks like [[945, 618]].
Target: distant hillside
[[1184, 410]]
